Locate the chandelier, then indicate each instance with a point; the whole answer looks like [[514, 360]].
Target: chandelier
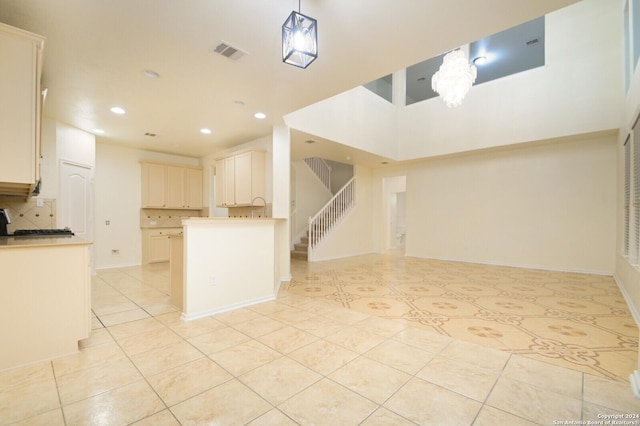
[[454, 78], [299, 39]]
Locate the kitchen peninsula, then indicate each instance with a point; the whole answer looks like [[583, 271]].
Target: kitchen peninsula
[[45, 307], [229, 263]]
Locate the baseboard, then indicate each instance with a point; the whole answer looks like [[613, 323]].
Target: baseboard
[[227, 308], [627, 298], [634, 378], [124, 265], [286, 279], [514, 265]]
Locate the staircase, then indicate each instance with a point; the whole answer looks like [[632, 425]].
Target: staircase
[[329, 216], [301, 249]]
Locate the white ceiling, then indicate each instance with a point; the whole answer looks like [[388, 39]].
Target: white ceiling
[[97, 51]]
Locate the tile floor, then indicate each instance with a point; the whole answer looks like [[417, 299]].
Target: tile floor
[[300, 360], [578, 321]]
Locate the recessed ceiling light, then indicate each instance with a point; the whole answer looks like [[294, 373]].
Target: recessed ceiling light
[[205, 131], [480, 60], [118, 110], [260, 115], [151, 74]]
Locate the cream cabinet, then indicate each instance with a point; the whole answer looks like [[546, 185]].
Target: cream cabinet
[[20, 110], [171, 186], [240, 178], [45, 308], [156, 244]]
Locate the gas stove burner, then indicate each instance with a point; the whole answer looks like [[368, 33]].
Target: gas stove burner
[[42, 232]]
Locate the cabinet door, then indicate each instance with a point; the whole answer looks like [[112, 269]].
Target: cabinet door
[[193, 188], [159, 248], [243, 178], [229, 181], [154, 178], [175, 187], [19, 106], [220, 184]]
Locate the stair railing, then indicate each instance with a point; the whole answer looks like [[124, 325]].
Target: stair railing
[[321, 169], [330, 215]]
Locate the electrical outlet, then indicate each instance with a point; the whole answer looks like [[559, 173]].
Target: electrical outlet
[[115, 252], [107, 222]]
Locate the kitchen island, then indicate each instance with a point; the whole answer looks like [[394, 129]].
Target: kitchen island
[[229, 263], [45, 308]]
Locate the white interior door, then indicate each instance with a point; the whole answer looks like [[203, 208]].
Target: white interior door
[[394, 191], [75, 200]]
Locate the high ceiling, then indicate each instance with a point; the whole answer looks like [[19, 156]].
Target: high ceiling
[[97, 52]]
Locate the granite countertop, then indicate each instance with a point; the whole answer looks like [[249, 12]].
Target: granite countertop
[[39, 241]]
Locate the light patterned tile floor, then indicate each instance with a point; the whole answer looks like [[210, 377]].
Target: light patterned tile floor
[[329, 351], [578, 321]]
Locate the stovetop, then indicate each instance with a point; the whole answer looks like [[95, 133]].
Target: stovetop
[[41, 233]]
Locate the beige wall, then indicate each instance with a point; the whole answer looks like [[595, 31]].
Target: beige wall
[[626, 274], [549, 206], [118, 200]]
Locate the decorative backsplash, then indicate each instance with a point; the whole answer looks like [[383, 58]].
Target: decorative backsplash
[[163, 218], [28, 214], [258, 211]]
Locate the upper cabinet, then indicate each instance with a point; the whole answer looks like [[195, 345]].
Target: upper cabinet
[[166, 186], [20, 110], [240, 178]]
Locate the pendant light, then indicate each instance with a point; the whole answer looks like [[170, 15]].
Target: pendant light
[[299, 39]]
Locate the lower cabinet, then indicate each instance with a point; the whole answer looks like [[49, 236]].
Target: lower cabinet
[[156, 244]]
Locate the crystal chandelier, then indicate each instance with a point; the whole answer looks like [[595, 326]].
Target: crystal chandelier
[[454, 78], [299, 39]]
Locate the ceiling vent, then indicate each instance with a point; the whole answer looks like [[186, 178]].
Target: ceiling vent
[[228, 51]]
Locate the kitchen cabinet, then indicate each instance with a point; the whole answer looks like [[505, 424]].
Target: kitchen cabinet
[[20, 110], [171, 186], [240, 178], [156, 244], [154, 185], [45, 308]]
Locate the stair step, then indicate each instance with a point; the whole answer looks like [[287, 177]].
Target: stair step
[[296, 254], [300, 247]]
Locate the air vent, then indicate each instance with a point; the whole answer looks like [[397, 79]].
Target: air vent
[[228, 51], [532, 42]]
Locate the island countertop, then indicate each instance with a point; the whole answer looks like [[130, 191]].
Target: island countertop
[[39, 241]]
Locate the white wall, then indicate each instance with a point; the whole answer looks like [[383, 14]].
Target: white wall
[[626, 274], [354, 235], [548, 206], [357, 118], [578, 91], [118, 199]]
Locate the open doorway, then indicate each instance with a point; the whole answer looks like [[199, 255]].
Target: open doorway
[[394, 200]]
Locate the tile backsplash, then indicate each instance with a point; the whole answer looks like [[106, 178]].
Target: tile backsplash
[[28, 214], [258, 211], [163, 218]]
